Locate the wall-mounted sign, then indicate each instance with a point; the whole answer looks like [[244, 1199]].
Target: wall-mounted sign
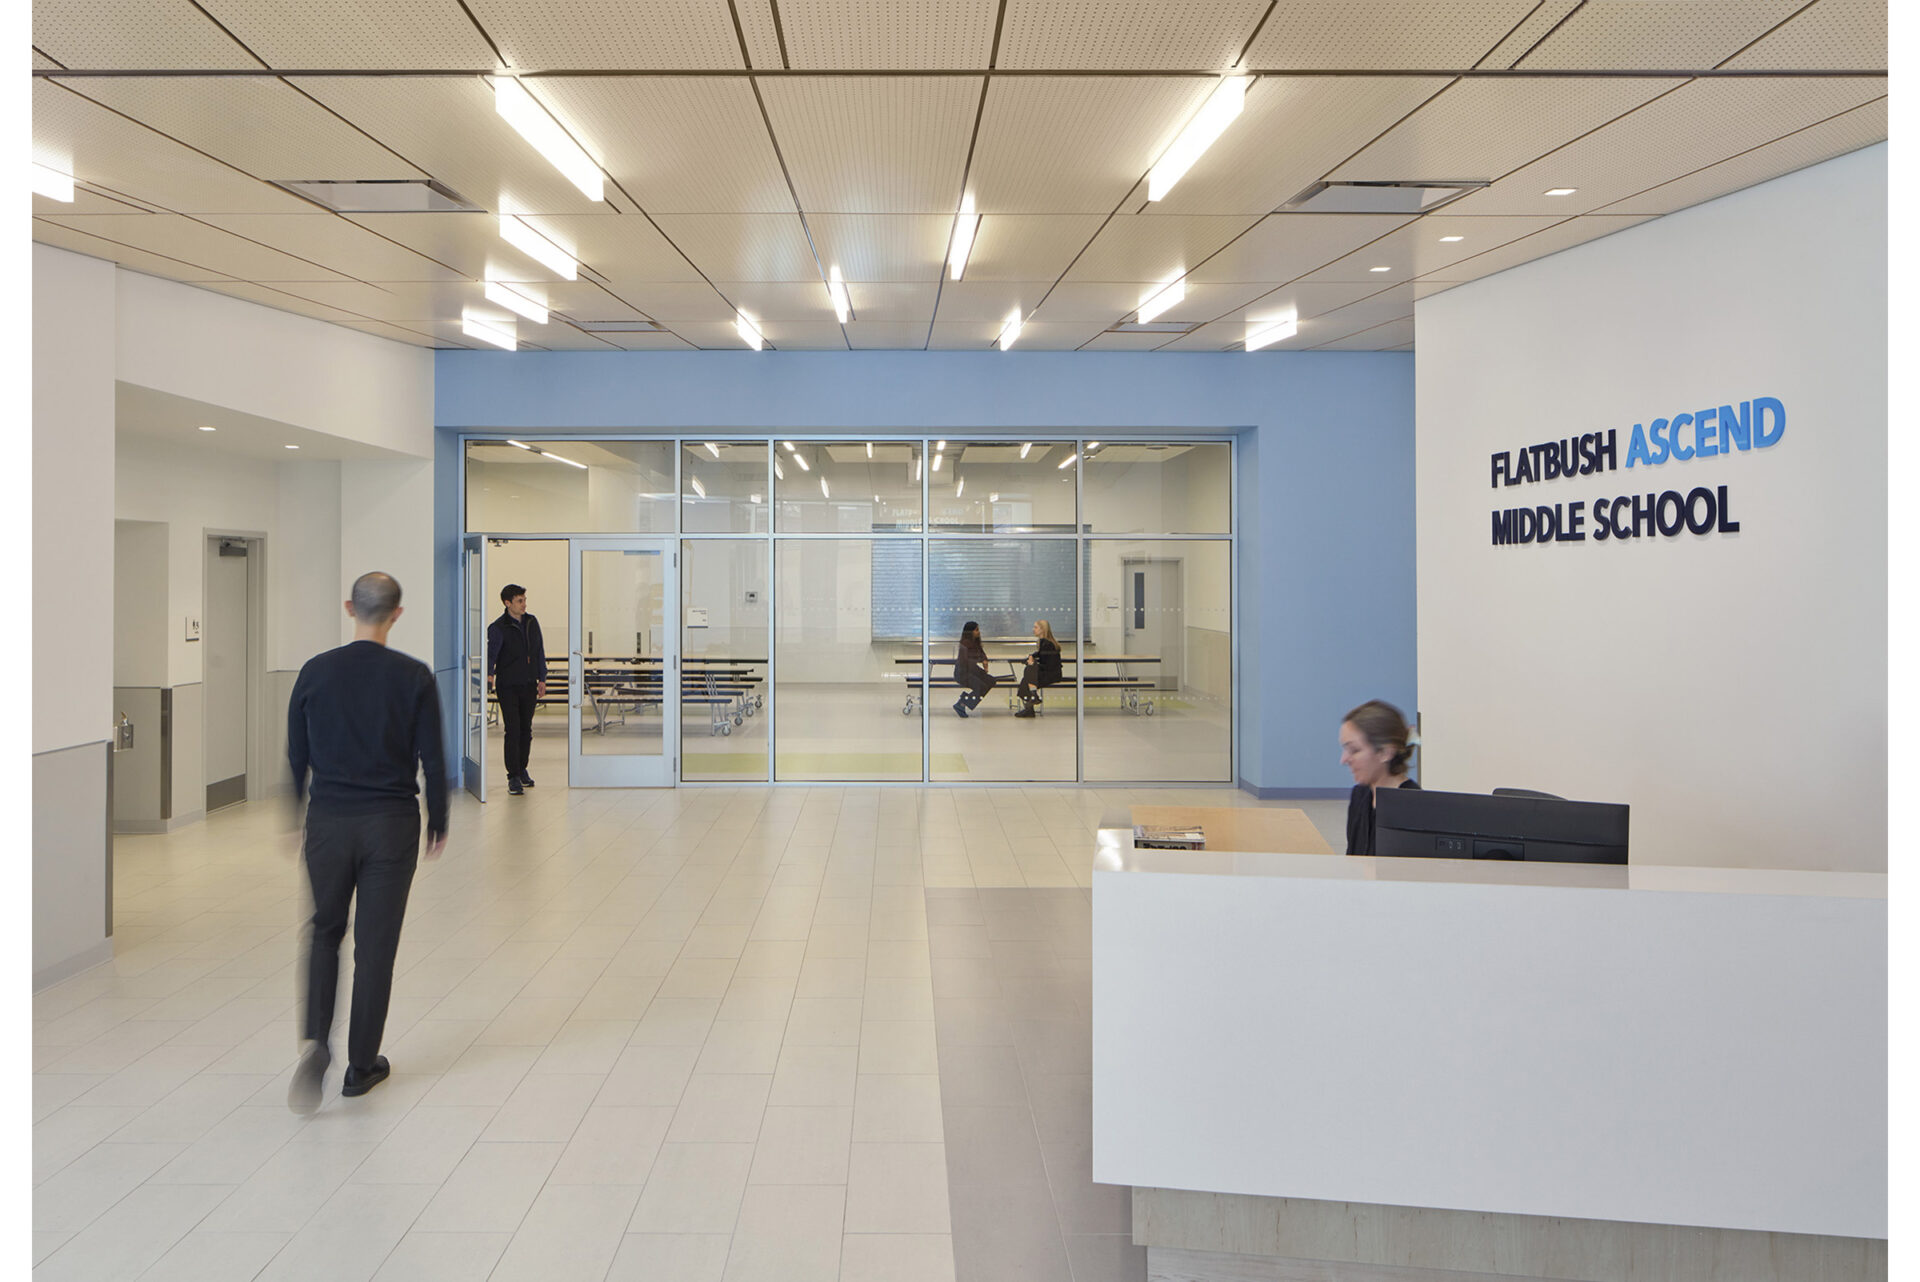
[[1684, 438]]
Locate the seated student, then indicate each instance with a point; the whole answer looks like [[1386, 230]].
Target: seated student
[[1374, 746], [1043, 668], [970, 669]]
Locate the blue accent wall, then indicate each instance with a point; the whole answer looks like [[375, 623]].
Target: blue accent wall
[[1324, 446]]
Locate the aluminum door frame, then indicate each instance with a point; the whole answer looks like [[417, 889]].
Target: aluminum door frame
[[473, 662], [635, 770]]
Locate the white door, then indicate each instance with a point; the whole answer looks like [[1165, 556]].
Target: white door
[[1156, 625], [473, 712], [623, 663], [226, 659]]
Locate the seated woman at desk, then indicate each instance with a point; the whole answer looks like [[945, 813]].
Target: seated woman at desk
[[1374, 746], [970, 669], [1043, 668]]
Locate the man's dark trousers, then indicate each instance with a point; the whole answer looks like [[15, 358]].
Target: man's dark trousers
[[373, 856], [517, 703]]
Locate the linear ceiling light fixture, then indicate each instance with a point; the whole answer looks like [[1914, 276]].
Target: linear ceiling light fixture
[[743, 324], [518, 108], [964, 225], [1163, 298], [488, 330], [515, 301], [1448, 240], [698, 488], [1026, 449], [539, 248], [1266, 333], [802, 462], [961, 488], [713, 449], [778, 473], [205, 428], [1011, 334], [1559, 191], [837, 291], [1066, 462], [825, 493], [869, 449], [1221, 110], [52, 184], [558, 458]]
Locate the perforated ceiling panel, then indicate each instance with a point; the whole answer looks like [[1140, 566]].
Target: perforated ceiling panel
[[605, 35], [980, 302], [180, 237], [1383, 33], [1300, 301], [285, 301], [1115, 303], [807, 336], [1375, 309], [420, 34], [624, 244], [1116, 35], [1291, 133], [1696, 125], [938, 35], [1286, 246], [398, 303], [892, 302], [1152, 247], [449, 128], [1028, 246], [743, 246], [780, 301], [1529, 33], [257, 124], [872, 145], [883, 247], [40, 60], [86, 202], [77, 136], [1417, 248], [345, 246], [676, 144], [1564, 235], [1861, 127], [1487, 128], [888, 335], [1836, 35], [1656, 34], [90, 34], [1391, 336], [139, 260], [964, 336], [761, 32], [673, 304], [1075, 144]]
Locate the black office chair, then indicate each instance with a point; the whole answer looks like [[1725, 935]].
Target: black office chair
[[1526, 792]]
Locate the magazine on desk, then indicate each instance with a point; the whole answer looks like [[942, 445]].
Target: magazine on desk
[[1174, 837]]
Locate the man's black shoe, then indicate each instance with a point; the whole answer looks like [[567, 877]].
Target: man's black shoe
[[513, 786], [303, 1092], [361, 1080], [526, 780]]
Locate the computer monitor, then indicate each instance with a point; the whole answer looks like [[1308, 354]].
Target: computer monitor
[[1412, 822]]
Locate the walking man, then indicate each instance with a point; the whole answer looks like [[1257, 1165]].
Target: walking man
[[517, 675], [365, 720]]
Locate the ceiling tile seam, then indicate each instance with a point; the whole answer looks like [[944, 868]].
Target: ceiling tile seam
[[1564, 19], [80, 231], [966, 172], [192, 218], [780, 36], [1736, 155], [1298, 280], [1240, 61], [408, 161], [740, 34], [993, 53], [57, 64], [1605, 124], [1495, 46], [500, 58], [1764, 34], [920, 73], [115, 194], [1508, 245], [1341, 338], [95, 102], [202, 10], [780, 157]]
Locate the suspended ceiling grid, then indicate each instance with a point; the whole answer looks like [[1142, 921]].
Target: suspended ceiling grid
[[752, 145]]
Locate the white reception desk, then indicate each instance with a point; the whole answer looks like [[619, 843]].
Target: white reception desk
[[1671, 1046]]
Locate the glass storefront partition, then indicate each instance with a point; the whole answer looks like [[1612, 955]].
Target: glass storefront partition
[[546, 487], [723, 487], [724, 613], [847, 487]]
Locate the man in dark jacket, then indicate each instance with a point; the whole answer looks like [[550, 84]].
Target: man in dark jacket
[[517, 675], [365, 721]]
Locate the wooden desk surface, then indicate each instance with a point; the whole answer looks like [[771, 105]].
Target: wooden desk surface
[[1269, 828]]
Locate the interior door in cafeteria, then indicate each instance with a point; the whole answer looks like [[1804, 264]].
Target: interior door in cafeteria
[[624, 685]]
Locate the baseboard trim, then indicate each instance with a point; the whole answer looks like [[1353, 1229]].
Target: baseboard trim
[[154, 827], [1295, 794], [86, 959]]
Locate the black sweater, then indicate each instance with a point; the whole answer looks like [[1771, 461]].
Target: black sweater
[[365, 720], [516, 652], [1360, 817]]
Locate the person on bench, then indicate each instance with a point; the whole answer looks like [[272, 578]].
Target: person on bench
[[970, 669], [517, 675], [1043, 668]]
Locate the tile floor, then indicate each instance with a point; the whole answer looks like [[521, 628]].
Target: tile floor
[[706, 1033]]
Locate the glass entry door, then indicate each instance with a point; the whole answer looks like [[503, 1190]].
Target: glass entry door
[[473, 703], [624, 684]]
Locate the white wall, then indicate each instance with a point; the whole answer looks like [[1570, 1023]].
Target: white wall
[[1731, 687], [230, 352], [386, 523], [303, 595], [140, 603]]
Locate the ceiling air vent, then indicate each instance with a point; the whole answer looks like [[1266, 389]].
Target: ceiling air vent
[[1379, 197], [380, 195], [619, 327]]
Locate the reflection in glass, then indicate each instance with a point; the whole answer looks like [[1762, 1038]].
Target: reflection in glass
[[1160, 625], [723, 653], [624, 651], [840, 692], [992, 487], [475, 731], [1005, 586], [540, 567], [546, 487], [723, 487], [847, 487], [1136, 487]]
